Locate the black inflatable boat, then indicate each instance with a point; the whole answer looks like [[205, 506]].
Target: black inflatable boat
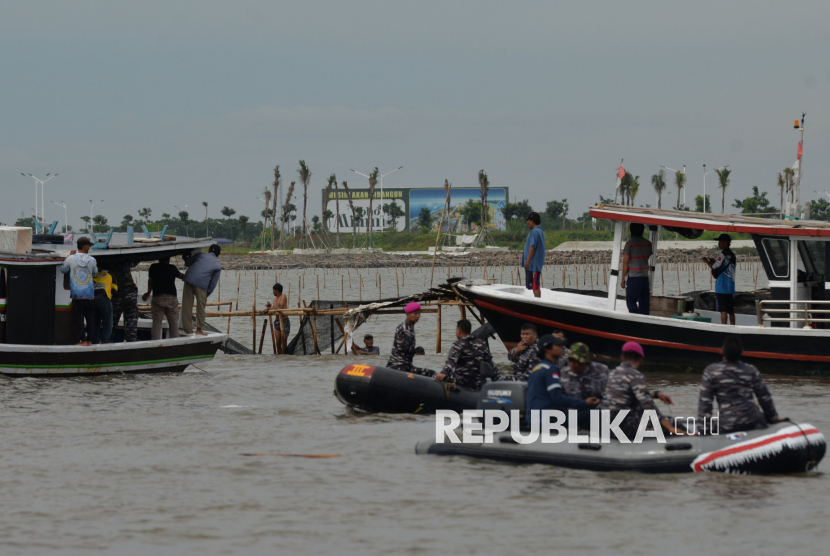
[[784, 447], [382, 390]]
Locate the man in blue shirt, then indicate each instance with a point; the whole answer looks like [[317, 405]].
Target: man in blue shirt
[[533, 256], [723, 270], [544, 390], [202, 276]]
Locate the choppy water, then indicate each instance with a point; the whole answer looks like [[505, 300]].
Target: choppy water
[[153, 465]]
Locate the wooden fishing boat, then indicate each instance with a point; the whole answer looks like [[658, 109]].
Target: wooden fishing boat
[[37, 328]]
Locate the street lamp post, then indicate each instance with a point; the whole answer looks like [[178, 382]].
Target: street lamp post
[[704, 183], [381, 189], [37, 181], [65, 219], [91, 217]]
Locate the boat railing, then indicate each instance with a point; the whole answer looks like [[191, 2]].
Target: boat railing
[[799, 310]]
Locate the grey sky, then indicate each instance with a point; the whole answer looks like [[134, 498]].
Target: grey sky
[[162, 103]]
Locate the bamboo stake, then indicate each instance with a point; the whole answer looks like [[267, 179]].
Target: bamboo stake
[[397, 285], [318, 287], [447, 188], [273, 336], [342, 289], [238, 278], [262, 338], [438, 340]]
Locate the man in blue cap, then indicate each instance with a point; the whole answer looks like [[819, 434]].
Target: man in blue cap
[[544, 389]]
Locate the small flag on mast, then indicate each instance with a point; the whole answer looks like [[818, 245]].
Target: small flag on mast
[[620, 175], [800, 150]]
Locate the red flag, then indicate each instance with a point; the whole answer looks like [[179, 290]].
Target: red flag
[[621, 175], [800, 150]]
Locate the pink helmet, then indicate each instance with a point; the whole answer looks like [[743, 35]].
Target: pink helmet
[[412, 307], [634, 347]]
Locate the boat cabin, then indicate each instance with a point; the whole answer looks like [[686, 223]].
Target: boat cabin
[[794, 255], [35, 306]]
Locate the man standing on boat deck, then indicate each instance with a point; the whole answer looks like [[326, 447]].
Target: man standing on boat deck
[[463, 365], [104, 286], [533, 256], [125, 300], [203, 270], [583, 378], [81, 267], [733, 383], [626, 389], [161, 282], [403, 348], [723, 270], [525, 355], [544, 387], [635, 271]]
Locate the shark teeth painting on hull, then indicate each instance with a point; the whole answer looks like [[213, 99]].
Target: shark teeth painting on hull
[[795, 448]]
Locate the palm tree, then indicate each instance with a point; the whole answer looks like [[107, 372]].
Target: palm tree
[[305, 178], [337, 209], [354, 214], [625, 188], [204, 204], [723, 178], [243, 224], [789, 177], [484, 183], [329, 186], [277, 182], [286, 208], [267, 194], [680, 183], [633, 189], [373, 181], [781, 184], [658, 181]]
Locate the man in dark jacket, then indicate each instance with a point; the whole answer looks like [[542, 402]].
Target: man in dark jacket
[[733, 383], [203, 271], [544, 388]]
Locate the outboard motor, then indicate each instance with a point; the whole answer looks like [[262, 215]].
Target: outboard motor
[[504, 396]]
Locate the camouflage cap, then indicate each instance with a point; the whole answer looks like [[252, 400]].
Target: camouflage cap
[[580, 353]]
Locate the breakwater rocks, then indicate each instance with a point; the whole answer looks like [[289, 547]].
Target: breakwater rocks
[[233, 261]]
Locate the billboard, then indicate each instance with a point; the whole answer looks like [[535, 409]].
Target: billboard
[[408, 203]]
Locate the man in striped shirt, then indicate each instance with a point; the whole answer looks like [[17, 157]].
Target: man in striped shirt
[[635, 271]]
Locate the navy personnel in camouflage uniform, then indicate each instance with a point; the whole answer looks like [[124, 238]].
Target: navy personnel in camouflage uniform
[[562, 362], [627, 389], [463, 365], [525, 355], [733, 383], [544, 388], [583, 378], [403, 348]]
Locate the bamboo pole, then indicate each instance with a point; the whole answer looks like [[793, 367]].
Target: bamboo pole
[[262, 337], [438, 340], [238, 278], [273, 336], [397, 285], [447, 188]]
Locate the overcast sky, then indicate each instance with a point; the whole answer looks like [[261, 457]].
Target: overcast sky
[[163, 103]]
